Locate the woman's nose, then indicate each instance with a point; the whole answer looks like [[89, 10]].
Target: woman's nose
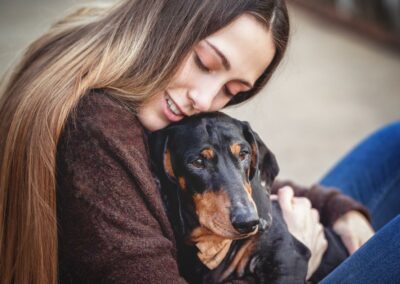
[[200, 102], [202, 99]]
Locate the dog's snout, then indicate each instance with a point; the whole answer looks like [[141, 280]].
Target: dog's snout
[[244, 216], [245, 224]]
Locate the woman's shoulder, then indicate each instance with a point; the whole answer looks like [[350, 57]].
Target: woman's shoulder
[[101, 111], [102, 118]]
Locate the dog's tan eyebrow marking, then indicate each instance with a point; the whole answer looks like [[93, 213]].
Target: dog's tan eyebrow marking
[[182, 183], [208, 153], [235, 149], [167, 163]]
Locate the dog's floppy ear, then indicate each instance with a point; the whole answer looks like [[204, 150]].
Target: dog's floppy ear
[[159, 148], [250, 137], [267, 164], [167, 163], [262, 158]]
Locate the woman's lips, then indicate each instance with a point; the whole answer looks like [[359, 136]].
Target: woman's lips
[[171, 110]]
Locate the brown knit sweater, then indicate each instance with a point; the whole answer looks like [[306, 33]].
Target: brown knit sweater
[[112, 227]]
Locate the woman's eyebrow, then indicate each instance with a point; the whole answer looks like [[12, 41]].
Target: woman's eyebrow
[[226, 63]]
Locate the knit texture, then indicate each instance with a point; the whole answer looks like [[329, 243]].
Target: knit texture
[[112, 227]]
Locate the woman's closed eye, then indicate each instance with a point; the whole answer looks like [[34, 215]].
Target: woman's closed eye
[[233, 88], [202, 66], [228, 92], [208, 64]]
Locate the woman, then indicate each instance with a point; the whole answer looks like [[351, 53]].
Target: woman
[[73, 116]]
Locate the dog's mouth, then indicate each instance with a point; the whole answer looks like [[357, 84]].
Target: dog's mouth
[[226, 230], [214, 240], [223, 230], [213, 210]]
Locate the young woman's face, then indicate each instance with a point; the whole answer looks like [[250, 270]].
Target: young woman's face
[[219, 67]]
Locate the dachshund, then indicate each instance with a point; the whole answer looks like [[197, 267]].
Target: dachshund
[[215, 176]]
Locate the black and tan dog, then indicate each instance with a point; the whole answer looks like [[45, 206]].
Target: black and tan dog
[[215, 176]]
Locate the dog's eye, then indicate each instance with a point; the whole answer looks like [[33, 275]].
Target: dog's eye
[[243, 155], [198, 163]]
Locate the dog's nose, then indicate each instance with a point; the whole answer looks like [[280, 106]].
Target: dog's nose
[[246, 224]]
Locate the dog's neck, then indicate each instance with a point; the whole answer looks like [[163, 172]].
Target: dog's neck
[[212, 248]]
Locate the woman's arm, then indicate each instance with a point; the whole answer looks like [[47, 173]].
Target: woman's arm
[[112, 225], [330, 203], [348, 218]]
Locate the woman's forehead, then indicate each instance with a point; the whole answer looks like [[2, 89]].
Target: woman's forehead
[[248, 46]]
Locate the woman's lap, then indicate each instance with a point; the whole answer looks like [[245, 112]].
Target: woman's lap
[[370, 173], [375, 262]]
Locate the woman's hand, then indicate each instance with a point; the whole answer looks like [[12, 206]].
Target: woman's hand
[[303, 223], [354, 230]]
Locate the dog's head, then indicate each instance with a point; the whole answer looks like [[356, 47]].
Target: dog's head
[[221, 172]]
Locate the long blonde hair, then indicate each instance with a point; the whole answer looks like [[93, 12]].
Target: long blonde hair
[[130, 50]]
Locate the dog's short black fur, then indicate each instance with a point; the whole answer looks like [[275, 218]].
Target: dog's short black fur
[[215, 176]]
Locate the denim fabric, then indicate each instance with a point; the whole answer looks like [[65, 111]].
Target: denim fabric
[[370, 173], [378, 261]]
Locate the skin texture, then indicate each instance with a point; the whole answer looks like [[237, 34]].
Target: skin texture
[[205, 81], [354, 230]]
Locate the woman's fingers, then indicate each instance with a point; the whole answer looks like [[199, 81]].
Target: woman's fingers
[[354, 230], [285, 197], [315, 215], [302, 201], [350, 243], [303, 223]]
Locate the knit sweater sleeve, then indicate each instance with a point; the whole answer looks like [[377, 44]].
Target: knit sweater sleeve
[[330, 202], [112, 224]]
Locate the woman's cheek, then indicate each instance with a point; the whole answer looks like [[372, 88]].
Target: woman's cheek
[[187, 77]]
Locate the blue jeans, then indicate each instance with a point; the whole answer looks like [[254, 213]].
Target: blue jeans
[[370, 173]]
